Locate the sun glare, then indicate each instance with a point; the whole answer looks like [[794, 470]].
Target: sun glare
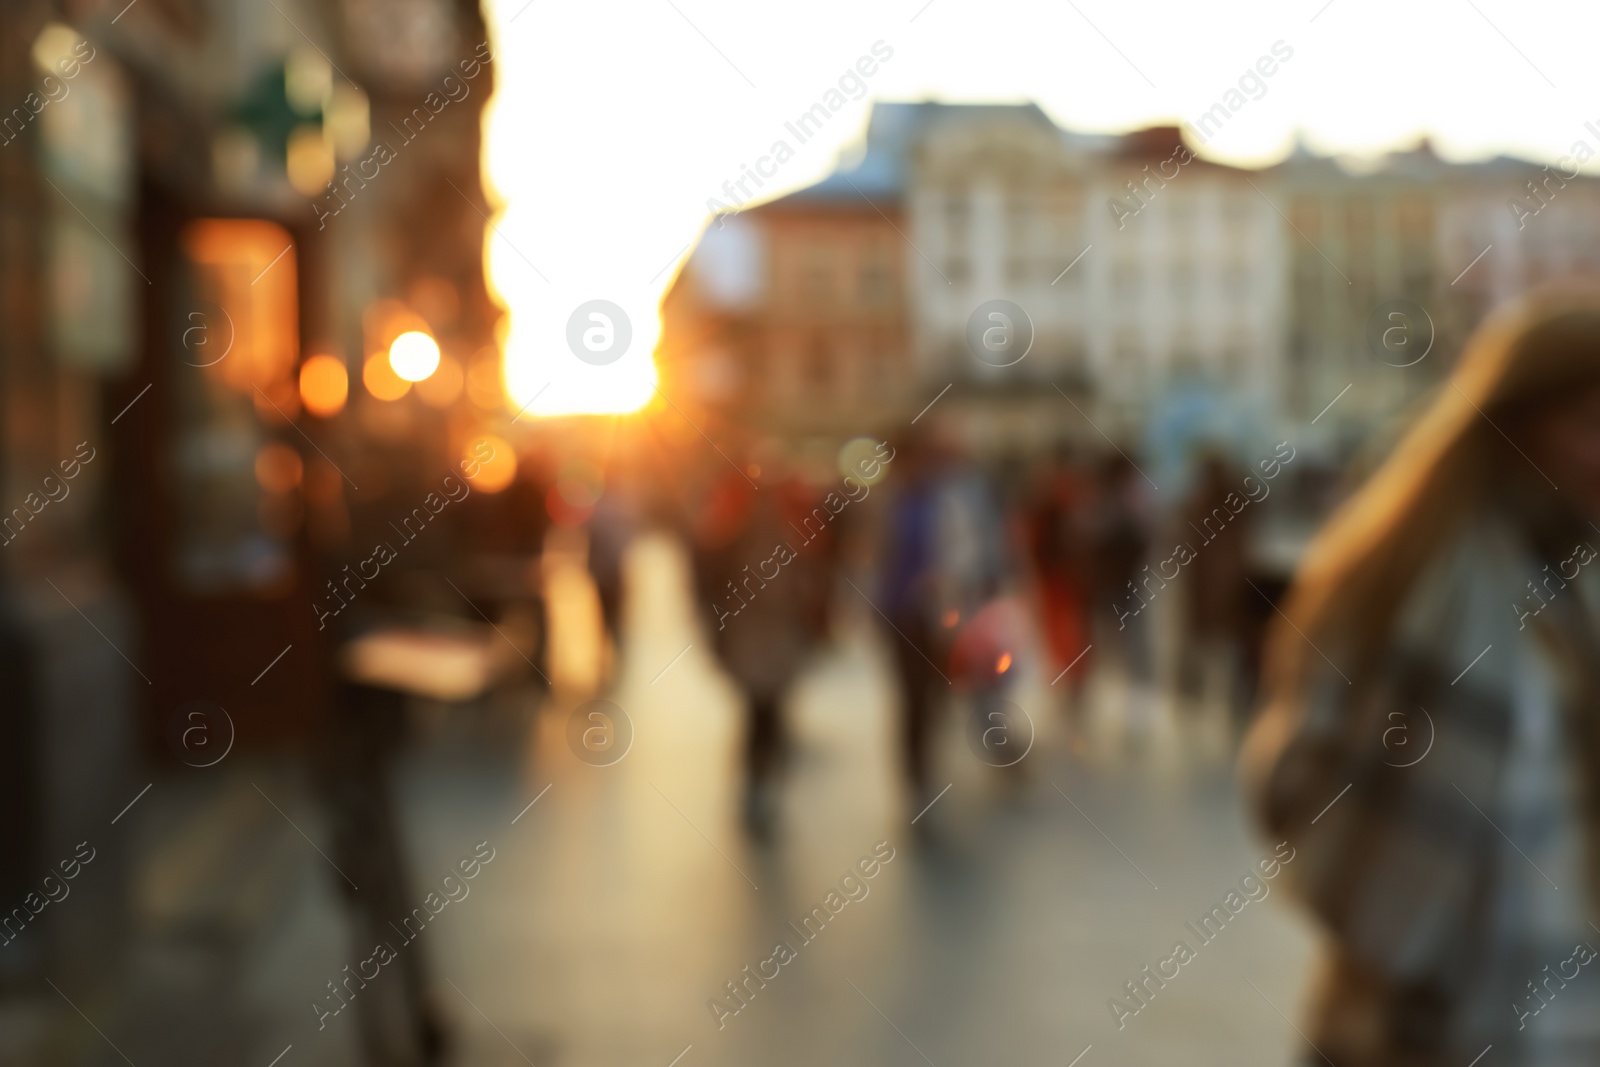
[[542, 269]]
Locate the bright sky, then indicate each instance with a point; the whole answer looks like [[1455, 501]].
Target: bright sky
[[614, 122]]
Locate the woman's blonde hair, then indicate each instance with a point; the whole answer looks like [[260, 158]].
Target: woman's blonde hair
[[1360, 567]]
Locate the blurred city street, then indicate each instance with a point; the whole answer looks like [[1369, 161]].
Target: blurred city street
[[625, 897], [699, 534]]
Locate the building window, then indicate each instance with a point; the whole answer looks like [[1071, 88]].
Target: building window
[[1127, 361], [1415, 216], [1125, 278], [1074, 361], [1183, 279], [1022, 228], [818, 370], [1182, 217], [1055, 271], [1063, 214], [1359, 223], [1306, 218], [1416, 273], [1235, 280], [957, 223], [816, 276], [1233, 355], [234, 529], [875, 369], [875, 285], [1185, 352], [956, 215]]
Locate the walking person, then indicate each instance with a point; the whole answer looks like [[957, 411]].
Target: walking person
[[1431, 744], [907, 597], [612, 526], [1059, 541], [1216, 586], [763, 564], [943, 576], [1121, 533]]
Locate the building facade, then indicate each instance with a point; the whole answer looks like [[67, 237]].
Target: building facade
[[1146, 273], [170, 505], [795, 313]]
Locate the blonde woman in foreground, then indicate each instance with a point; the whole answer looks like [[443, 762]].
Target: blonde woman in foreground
[[1431, 741]]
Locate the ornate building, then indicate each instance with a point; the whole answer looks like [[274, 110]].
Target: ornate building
[[1150, 278], [1133, 261]]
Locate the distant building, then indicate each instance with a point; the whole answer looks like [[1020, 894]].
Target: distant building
[[1144, 270], [1190, 282], [1132, 259], [794, 313], [1354, 241]]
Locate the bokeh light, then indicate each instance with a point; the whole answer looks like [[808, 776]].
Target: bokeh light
[[861, 461], [310, 160], [414, 355], [54, 44], [324, 385], [278, 468], [496, 472], [381, 380]]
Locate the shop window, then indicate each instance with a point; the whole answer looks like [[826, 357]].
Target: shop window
[[237, 478]]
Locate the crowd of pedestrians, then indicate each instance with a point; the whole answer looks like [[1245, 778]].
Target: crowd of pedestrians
[[968, 569]]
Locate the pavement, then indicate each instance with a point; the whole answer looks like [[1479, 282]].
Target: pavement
[[623, 896]]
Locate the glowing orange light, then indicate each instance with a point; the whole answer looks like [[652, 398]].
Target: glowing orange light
[[309, 160], [381, 380], [951, 617], [324, 385], [489, 463], [249, 335], [1004, 663]]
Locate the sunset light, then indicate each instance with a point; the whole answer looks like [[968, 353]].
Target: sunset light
[[520, 516]]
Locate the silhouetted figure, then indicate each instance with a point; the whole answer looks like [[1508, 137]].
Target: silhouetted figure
[[1121, 533], [612, 526], [908, 599], [1061, 542], [1219, 521], [1431, 745], [400, 1021], [763, 560], [943, 567]]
